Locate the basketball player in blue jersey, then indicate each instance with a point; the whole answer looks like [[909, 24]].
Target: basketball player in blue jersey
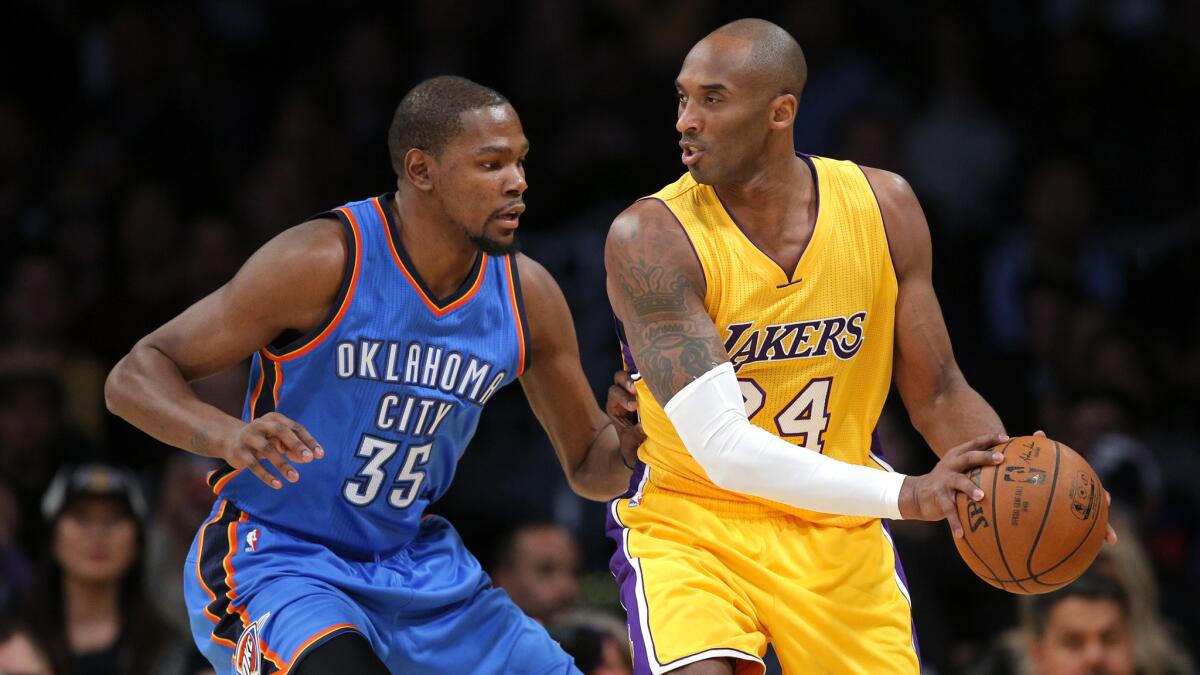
[[377, 333]]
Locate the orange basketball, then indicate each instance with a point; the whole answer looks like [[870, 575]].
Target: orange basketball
[[1042, 519]]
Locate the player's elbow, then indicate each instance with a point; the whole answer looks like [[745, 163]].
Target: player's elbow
[[722, 471], [593, 488], [115, 386], [120, 385]]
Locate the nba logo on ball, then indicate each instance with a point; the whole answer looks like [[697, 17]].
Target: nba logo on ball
[[247, 656], [1083, 496]]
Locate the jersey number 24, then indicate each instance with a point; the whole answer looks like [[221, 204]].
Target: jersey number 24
[[804, 419]]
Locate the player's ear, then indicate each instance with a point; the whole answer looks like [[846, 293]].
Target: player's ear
[[783, 111], [417, 169]]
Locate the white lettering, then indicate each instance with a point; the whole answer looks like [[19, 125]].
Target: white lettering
[[433, 358], [450, 372], [412, 365], [385, 420], [366, 360], [391, 375], [345, 360]]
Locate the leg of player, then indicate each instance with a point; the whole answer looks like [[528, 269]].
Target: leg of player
[[708, 667], [345, 653]]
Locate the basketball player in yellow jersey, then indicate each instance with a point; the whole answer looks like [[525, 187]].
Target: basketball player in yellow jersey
[[766, 298]]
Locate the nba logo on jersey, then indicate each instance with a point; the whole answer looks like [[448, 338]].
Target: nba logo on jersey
[[247, 657], [252, 541]]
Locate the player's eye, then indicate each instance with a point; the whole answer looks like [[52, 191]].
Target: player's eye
[[711, 99], [681, 98]]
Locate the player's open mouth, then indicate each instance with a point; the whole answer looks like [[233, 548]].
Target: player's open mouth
[[512, 215], [691, 152]]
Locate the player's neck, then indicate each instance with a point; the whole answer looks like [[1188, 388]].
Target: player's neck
[[89, 602], [443, 257], [770, 198]]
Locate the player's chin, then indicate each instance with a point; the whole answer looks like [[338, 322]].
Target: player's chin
[[701, 174], [502, 242]]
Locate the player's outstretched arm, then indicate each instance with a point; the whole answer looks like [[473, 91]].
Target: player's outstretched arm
[[943, 407], [595, 458], [657, 287], [291, 282]]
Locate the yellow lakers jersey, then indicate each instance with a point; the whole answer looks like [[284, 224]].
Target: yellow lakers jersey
[[812, 347]]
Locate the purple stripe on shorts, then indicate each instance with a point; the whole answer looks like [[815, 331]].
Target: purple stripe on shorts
[[904, 582], [877, 450], [626, 576]]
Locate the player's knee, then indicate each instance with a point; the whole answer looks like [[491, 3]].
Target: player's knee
[[344, 653]]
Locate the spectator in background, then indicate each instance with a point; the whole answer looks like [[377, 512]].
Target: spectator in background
[[598, 642], [15, 570], [1082, 629], [184, 499], [1107, 621], [538, 565], [1061, 243], [38, 321], [1156, 648], [20, 652], [33, 435], [92, 611]]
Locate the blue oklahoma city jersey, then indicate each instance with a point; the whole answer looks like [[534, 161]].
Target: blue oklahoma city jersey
[[391, 385]]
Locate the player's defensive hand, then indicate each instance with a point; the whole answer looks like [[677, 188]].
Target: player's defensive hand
[[275, 439], [621, 407], [932, 496]]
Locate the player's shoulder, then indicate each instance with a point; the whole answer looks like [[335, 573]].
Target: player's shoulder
[[903, 220], [534, 276], [310, 257], [646, 217], [648, 235], [889, 187]]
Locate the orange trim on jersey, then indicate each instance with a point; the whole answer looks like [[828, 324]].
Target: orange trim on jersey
[[337, 318], [262, 376], [512, 297], [225, 480], [227, 563], [200, 577], [200, 554], [278, 381], [437, 311]]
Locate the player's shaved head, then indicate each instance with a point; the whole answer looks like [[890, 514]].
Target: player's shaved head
[[429, 115], [774, 58]]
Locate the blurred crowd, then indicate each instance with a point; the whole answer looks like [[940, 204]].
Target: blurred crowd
[[147, 148]]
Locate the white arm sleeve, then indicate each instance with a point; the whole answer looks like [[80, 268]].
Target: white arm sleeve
[[710, 417]]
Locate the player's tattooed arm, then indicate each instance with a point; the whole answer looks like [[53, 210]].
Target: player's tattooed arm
[[656, 287]]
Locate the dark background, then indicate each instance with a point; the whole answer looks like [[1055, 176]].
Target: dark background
[[147, 148]]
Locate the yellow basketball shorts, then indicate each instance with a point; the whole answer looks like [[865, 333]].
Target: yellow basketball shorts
[[705, 578]]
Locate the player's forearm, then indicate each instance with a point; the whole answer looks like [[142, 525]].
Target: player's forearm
[[710, 418], [600, 475], [954, 415], [147, 390]]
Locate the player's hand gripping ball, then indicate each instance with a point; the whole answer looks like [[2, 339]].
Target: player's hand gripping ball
[[1041, 522]]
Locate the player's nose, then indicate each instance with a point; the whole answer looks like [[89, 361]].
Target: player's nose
[[517, 185], [688, 122]]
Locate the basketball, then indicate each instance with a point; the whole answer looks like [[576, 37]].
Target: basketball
[[1041, 522]]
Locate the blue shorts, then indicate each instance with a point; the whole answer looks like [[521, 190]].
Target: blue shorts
[[259, 599]]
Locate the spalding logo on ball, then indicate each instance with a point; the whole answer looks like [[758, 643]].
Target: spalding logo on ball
[[1041, 522]]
